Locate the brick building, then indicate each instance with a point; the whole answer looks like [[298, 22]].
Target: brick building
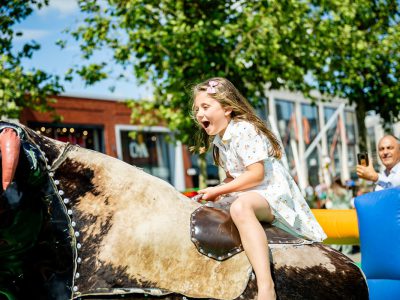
[[104, 125]]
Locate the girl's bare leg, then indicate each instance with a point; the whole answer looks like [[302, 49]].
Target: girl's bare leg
[[247, 211]]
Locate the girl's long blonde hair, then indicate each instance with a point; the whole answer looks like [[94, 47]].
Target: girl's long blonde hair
[[228, 96]]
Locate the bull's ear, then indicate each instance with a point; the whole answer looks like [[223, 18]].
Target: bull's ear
[[9, 146]]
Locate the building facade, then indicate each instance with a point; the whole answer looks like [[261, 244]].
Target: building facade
[[104, 125], [320, 140]]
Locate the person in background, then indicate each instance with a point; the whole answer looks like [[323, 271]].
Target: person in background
[[338, 196], [321, 191], [389, 153]]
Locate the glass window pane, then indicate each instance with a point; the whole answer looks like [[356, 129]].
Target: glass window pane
[[310, 121], [352, 155], [284, 112], [148, 151], [331, 133], [350, 127], [86, 136], [333, 139], [373, 146], [262, 109]]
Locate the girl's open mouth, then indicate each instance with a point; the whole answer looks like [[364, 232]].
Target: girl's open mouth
[[205, 124]]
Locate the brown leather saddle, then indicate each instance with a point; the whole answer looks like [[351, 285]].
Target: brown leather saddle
[[216, 236]]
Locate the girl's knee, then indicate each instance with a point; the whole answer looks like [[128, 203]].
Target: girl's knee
[[240, 210]]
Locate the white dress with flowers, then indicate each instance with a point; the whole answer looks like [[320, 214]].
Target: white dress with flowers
[[242, 146]]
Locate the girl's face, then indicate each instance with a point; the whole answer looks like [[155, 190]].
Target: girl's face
[[210, 114]]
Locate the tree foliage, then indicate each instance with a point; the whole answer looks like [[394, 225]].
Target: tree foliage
[[344, 48], [20, 88]]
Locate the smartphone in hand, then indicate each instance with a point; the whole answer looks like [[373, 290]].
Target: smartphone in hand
[[363, 159]]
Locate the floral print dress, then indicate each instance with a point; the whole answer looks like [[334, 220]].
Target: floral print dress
[[241, 146]]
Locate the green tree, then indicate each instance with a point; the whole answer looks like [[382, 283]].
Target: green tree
[[344, 48], [358, 44], [20, 88]]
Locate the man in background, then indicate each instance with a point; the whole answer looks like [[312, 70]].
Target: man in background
[[389, 153]]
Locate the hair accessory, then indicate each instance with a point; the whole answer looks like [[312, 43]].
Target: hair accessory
[[211, 87]]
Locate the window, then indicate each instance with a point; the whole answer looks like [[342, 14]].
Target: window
[[285, 117], [350, 122], [333, 139], [310, 120], [86, 136], [311, 129], [147, 150]]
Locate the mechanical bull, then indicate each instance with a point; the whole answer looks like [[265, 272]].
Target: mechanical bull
[[77, 224]]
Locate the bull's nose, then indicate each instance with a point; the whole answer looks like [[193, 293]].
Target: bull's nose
[[9, 147]]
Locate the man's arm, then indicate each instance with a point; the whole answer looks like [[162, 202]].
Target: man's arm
[[382, 182]]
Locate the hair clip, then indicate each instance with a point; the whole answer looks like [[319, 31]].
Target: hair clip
[[211, 87]]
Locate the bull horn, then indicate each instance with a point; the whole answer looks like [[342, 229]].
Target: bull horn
[[9, 146]]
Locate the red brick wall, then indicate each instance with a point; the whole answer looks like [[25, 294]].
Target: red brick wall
[[105, 113], [87, 111]]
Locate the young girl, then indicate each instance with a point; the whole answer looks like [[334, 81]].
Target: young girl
[[250, 155]]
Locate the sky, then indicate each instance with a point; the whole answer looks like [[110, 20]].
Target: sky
[[46, 26]]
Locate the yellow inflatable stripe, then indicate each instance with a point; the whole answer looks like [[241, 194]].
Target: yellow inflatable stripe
[[340, 225]]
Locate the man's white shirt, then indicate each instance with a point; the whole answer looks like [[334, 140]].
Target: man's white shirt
[[387, 180]]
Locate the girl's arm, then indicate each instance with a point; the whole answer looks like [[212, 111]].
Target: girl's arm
[[253, 176], [228, 178]]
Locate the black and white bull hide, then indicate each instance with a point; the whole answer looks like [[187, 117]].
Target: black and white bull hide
[[75, 223]]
